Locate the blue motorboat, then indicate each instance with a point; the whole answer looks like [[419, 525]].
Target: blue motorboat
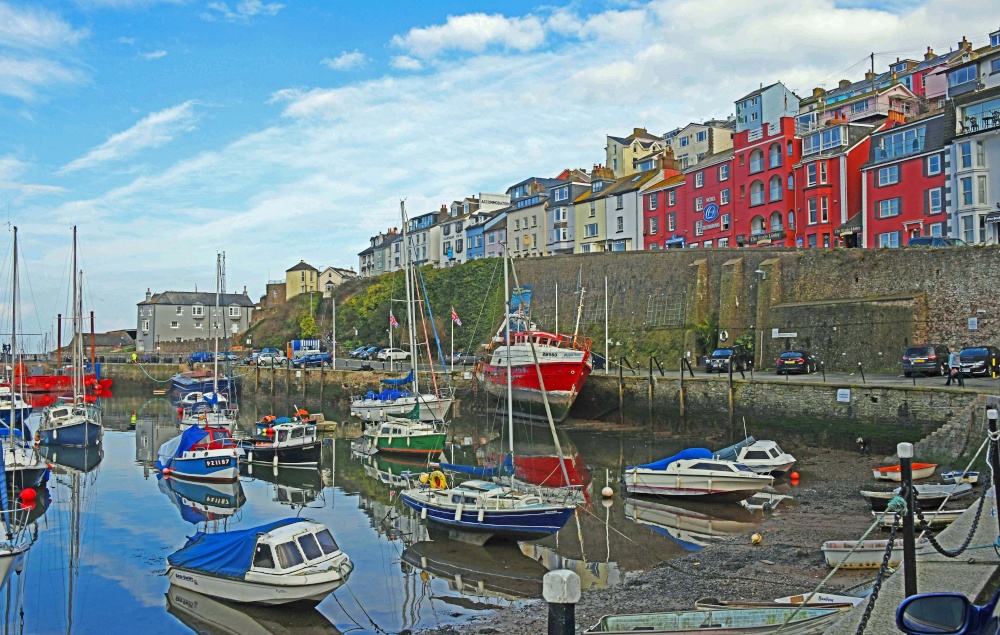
[[199, 381], [194, 455], [70, 424], [19, 410]]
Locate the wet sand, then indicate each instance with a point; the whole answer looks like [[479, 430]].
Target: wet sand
[[788, 561]]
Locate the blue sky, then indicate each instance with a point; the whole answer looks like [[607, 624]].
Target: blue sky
[[279, 131]]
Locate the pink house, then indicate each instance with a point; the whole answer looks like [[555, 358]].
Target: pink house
[[494, 234]]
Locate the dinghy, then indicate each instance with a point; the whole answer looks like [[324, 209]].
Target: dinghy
[[759, 621], [892, 472], [928, 496], [956, 476], [285, 561], [867, 554], [935, 520]]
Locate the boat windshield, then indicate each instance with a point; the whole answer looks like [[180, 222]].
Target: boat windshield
[[327, 542], [262, 556], [288, 555], [310, 547], [741, 468]]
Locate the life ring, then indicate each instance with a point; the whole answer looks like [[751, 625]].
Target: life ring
[[438, 480]]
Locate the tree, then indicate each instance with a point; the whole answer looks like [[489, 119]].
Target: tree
[[307, 327], [707, 333]]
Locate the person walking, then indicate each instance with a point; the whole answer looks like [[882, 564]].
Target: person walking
[[135, 358], [955, 369]]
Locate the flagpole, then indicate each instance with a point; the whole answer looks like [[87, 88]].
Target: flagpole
[[390, 334], [452, 339]]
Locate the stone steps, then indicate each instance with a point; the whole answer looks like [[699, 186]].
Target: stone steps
[[953, 439]]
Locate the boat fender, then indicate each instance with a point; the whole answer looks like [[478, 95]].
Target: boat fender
[[274, 462], [458, 512], [423, 513], [438, 480], [407, 441], [482, 514]]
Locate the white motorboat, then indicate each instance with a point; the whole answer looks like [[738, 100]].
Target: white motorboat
[[695, 473], [285, 561], [390, 403], [935, 520], [928, 496], [763, 457], [956, 476], [195, 397], [867, 554]]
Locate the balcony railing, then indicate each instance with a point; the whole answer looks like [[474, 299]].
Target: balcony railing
[[757, 198], [756, 165], [973, 124]]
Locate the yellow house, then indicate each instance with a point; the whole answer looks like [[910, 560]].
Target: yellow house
[[590, 214], [302, 278]]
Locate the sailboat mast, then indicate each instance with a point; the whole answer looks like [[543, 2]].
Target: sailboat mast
[[215, 355], [76, 316], [13, 341], [510, 386], [409, 300]]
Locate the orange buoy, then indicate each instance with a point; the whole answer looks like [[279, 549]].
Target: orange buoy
[[795, 476], [166, 471]]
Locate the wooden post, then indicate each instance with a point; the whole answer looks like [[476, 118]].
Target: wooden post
[[270, 373], [322, 378], [621, 392], [561, 589], [650, 395], [256, 380], [305, 376], [288, 378], [732, 398], [682, 390], [905, 452]]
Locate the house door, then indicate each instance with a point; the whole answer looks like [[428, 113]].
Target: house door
[[913, 232]]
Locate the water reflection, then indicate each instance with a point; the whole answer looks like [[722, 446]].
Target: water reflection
[[292, 486], [691, 524], [208, 616], [204, 502]]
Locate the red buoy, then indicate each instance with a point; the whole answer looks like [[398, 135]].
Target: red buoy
[[28, 495], [795, 476], [166, 471], [269, 432]]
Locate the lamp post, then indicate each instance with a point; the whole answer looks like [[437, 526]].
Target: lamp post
[[333, 318]]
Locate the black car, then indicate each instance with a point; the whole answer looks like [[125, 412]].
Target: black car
[[980, 360], [929, 359], [371, 353], [796, 362], [718, 361]]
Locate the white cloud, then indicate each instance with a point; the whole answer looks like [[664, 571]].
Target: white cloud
[[474, 32], [406, 63], [153, 131], [154, 55], [126, 40], [124, 4], [25, 28], [242, 11], [345, 61], [22, 78], [11, 171]]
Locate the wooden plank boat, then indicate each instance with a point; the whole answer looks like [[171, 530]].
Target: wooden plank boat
[[821, 599], [892, 472], [715, 604], [936, 520], [929, 497], [747, 621], [868, 554], [956, 476]]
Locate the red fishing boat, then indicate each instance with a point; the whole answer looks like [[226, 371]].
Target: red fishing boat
[[56, 382], [565, 363]]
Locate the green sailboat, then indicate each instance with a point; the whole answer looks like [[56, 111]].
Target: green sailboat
[[406, 435]]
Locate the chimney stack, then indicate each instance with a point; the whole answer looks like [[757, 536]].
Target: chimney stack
[[869, 76], [818, 91], [149, 295], [965, 45], [244, 289], [639, 131], [929, 55], [844, 83]]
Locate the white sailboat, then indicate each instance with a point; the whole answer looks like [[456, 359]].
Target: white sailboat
[[377, 407], [211, 411], [76, 423]]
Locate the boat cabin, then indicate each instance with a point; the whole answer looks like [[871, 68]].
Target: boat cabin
[[294, 548], [487, 494], [217, 439], [714, 466], [761, 451], [404, 428], [292, 433]]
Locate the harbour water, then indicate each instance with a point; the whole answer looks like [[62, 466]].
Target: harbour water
[[105, 528]]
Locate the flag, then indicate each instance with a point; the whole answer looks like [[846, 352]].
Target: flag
[[454, 317], [392, 321]]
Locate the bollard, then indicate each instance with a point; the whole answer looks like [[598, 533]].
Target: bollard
[[561, 589], [991, 417], [862, 371], [905, 452], [822, 367]]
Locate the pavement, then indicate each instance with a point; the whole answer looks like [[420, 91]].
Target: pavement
[[967, 574]]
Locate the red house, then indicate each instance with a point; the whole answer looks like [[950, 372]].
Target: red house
[[828, 182], [763, 163], [904, 183], [706, 219], [659, 212]]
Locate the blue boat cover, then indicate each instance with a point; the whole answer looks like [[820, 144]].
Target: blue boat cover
[[398, 382], [731, 452], [690, 453], [389, 394], [227, 554], [506, 468], [179, 445]]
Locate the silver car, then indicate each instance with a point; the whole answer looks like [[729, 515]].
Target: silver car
[[272, 359]]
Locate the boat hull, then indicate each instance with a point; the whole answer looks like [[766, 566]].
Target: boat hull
[[722, 622], [184, 384], [514, 524], [307, 454], [432, 408], [563, 382], [423, 444], [80, 434], [867, 555], [724, 489], [26, 477], [211, 469], [893, 473], [314, 586]]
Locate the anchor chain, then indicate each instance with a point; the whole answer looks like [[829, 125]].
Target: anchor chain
[[879, 577], [924, 526]]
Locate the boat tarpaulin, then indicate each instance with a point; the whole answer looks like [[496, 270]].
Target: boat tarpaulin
[[690, 453], [400, 381], [504, 469], [389, 394], [179, 445], [228, 553]]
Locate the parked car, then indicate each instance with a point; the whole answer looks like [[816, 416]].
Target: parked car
[[929, 359], [980, 360], [796, 362], [272, 359], [462, 359], [597, 360], [251, 359], [718, 361], [201, 356], [353, 354], [272, 350], [393, 355], [370, 353], [935, 241], [313, 360]]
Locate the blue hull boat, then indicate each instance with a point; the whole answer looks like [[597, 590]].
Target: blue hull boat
[[211, 468], [183, 384], [20, 416], [79, 434], [526, 523]]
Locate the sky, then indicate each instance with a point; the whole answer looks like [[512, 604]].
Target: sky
[[279, 131]]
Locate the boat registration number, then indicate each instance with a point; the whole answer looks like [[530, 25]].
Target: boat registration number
[[216, 462]]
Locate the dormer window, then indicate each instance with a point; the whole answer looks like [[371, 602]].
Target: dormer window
[[995, 38], [598, 186]]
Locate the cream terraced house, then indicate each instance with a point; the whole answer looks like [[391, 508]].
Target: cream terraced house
[[589, 213], [693, 142], [621, 153], [526, 217]]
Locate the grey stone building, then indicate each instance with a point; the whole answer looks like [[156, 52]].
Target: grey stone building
[[182, 316]]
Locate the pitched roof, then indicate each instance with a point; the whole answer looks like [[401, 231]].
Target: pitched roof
[[712, 159], [188, 298], [934, 137], [302, 266], [758, 92], [658, 183]]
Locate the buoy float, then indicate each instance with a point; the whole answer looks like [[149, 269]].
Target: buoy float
[[795, 476], [28, 495], [438, 480], [269, 432], [424, 477], [166, 471], [756, 539], [607, 492]]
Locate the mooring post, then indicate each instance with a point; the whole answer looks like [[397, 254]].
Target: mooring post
[[561, 589], [682, 389], [905, 452], [861, 369], [991, 417], [650, 396], [732, 397]]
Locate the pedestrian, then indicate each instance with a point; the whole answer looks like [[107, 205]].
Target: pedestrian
[[863, 448], [955, 369], [135, 358]]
